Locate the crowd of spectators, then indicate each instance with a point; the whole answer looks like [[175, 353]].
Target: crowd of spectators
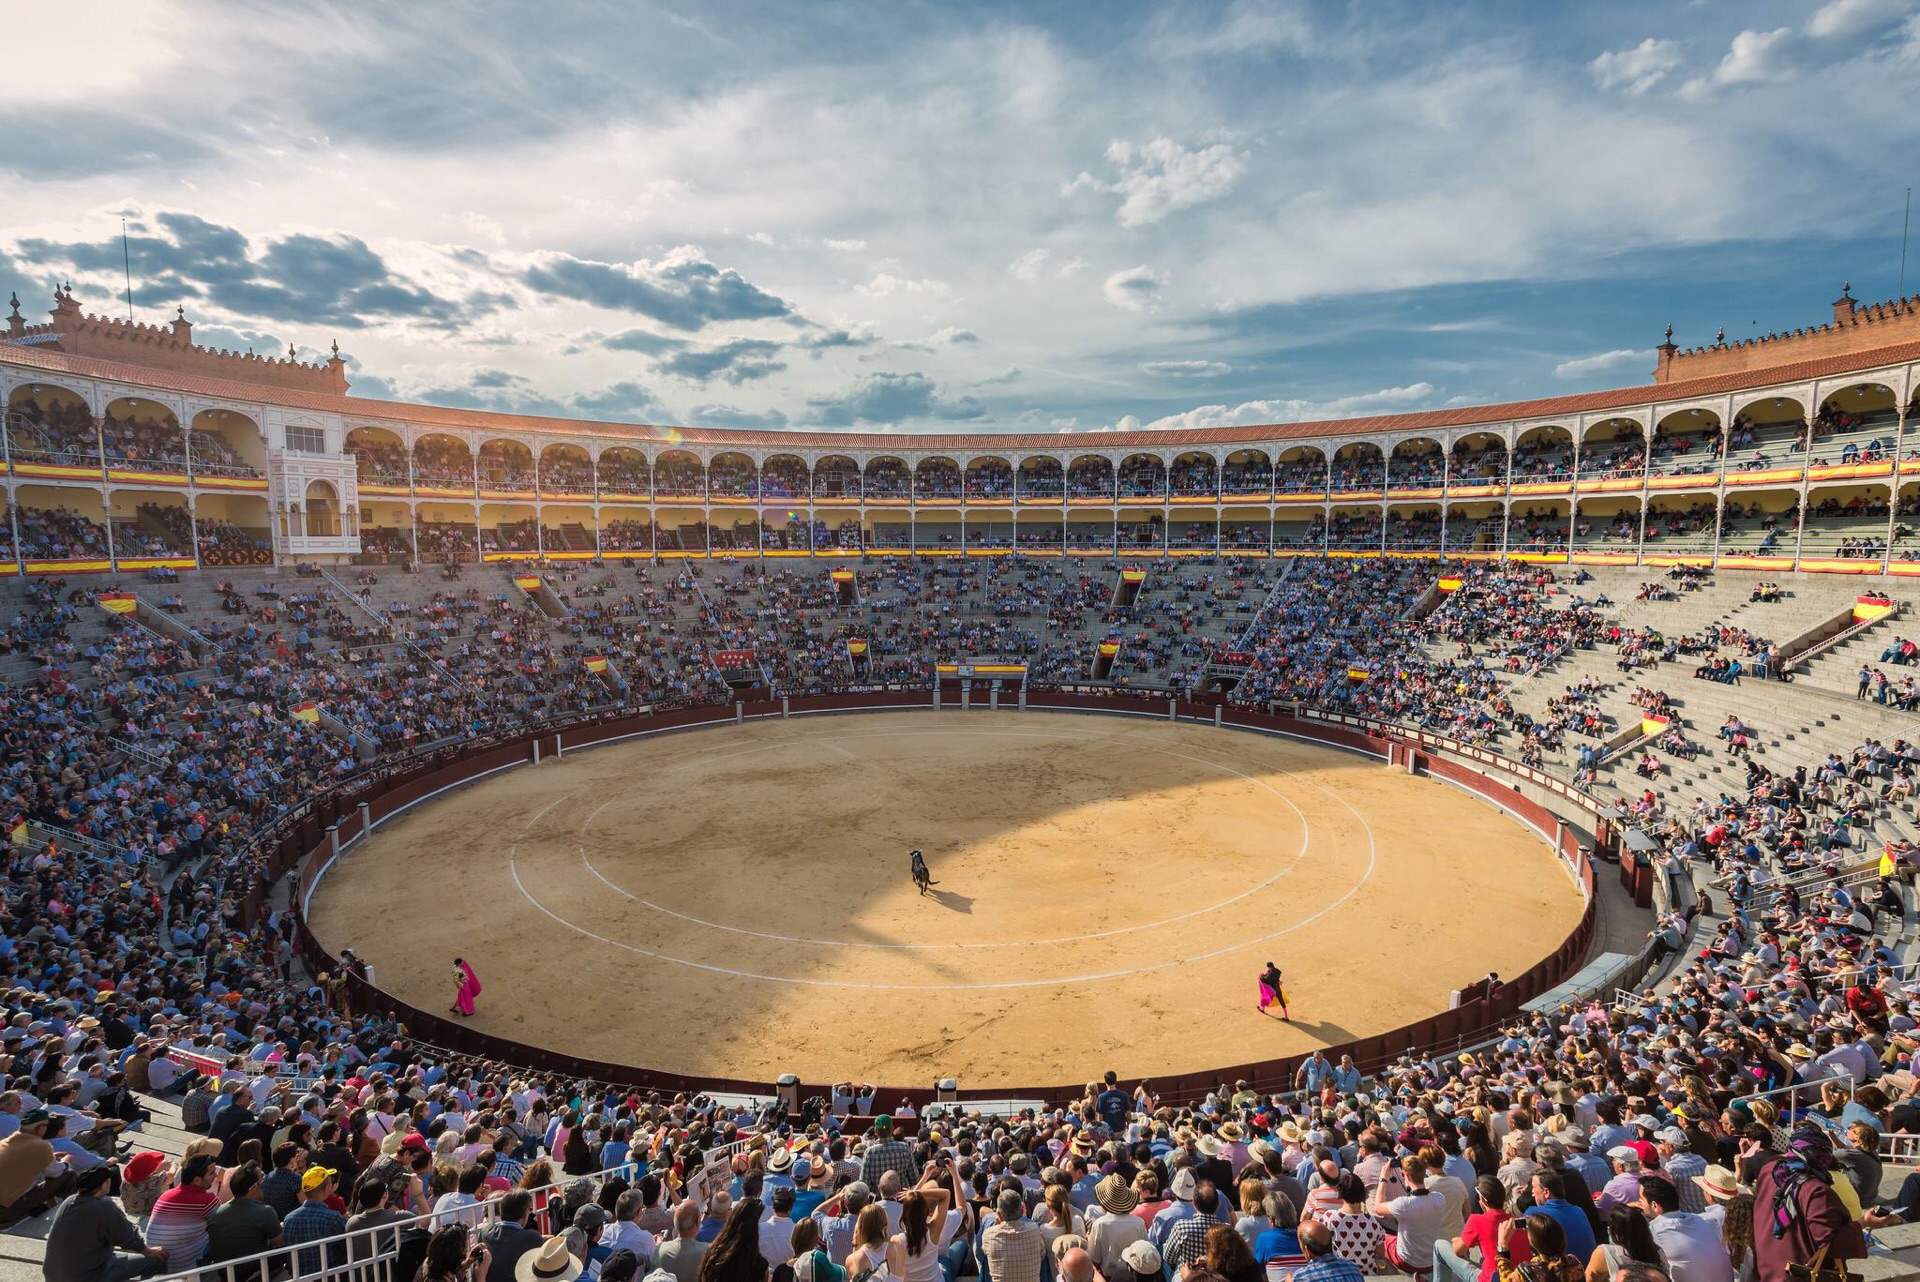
[[1635, 1136]]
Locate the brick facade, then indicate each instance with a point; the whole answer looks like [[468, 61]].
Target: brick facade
[[1855, 327], [169, 347]]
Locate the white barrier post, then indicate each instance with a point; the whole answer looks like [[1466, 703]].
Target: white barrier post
[[1023, 698], [1217, 720], [966, 695], [785, 709], [936, 693], [1173, 709], [536, 752], [366, 819], [993, 699], [333, 839], [739, 710], [559, 747]]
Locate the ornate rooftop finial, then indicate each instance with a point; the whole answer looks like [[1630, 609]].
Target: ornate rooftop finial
[[336, 347], [180, 310], [1720, 337], [290, 352], [1669, 333], [1846, 289]]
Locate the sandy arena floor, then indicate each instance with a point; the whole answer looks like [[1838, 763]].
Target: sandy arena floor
[[735, 901]]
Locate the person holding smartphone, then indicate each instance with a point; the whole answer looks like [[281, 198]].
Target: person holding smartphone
[[454, 1256]]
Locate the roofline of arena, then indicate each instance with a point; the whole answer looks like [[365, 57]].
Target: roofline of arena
[[364, 410]]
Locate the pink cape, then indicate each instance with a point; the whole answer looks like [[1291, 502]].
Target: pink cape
[[1267, 996], [469, 989]]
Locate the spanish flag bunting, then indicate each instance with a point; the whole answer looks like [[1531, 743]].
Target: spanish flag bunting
[[308, 711], [842, 576], [17, 834], [856, 647], [527, 582], [118, 602], [1109, 648], [596, 663], [1451, 583], [1868, 608], [1358, 674], [1133, 576], [1653, 725], [1888, 864]]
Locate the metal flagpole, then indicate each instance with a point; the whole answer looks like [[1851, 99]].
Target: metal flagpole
[[126, 259], [1905, 222]]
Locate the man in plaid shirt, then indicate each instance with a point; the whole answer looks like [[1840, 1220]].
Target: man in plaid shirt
[[1187, 1240], [886, 1153], [314, 1220], [1013, 1245], [504, 1167]]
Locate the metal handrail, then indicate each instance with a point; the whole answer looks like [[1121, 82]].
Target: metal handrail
[[383, 1243]]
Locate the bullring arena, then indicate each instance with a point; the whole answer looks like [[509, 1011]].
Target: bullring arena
[[736, 899], [643, 723]]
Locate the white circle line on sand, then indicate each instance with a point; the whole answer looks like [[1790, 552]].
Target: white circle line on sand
[[1366, 875], [1306, 839]]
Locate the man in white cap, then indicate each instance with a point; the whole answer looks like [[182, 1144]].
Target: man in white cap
[[1139, 1257], [1624, 1188], [1183, 1188], [1683, 1167]]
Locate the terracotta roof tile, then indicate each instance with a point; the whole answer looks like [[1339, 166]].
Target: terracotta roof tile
[[362, 410]]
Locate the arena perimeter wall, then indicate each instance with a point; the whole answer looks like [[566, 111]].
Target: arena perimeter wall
[[308, 841]]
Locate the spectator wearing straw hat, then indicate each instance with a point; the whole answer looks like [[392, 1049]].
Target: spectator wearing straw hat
[[1116, 1227], [552, 1262]]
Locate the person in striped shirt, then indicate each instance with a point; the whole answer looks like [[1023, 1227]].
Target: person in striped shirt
[[179, 1219]]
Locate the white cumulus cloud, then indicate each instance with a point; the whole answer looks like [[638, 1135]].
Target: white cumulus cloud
[[1028, 265], [1387, 400], [1187, 369], [845, 246], [886, 283], [1638, 69], [1136, 289], [1848, 17], [1158, 177], [1754, 57], [1601, 362]]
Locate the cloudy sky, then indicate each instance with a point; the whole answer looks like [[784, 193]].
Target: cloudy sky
[[992, 216]]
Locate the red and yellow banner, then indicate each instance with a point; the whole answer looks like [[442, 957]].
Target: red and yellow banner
[[1868, 608], [856, 647], [1653, 725], [1358, 674], [1109, 648], [308, 712], [118, 602], [981, 669], [596, 662], [841, 576], [527, 582], [1451, 583], [18, 833], [1133, 576]]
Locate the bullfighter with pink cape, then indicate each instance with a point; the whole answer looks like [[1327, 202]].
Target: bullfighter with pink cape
[[1272, 993], [466, 987]]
